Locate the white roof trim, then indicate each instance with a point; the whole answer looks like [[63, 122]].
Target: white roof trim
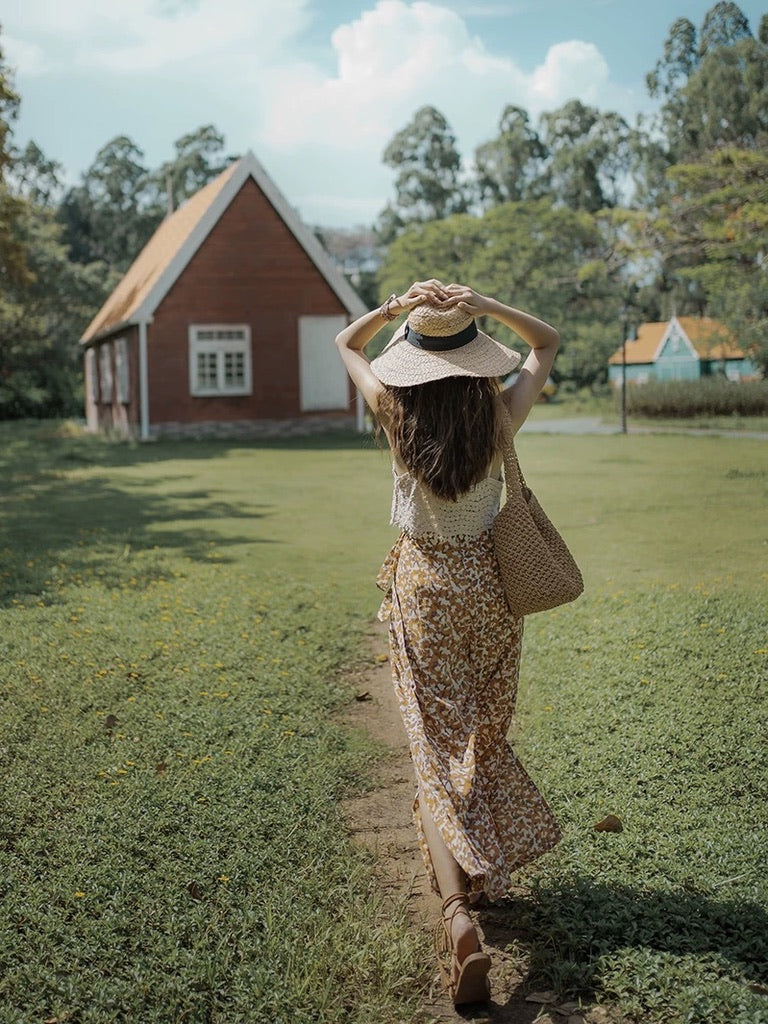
[[248, 166], [674, 322]]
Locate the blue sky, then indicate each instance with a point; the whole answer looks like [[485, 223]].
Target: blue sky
[[316, 88]]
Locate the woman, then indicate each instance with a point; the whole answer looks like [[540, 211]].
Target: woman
[[454, 646]]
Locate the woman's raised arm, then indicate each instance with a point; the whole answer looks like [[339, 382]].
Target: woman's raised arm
[[543, 339]]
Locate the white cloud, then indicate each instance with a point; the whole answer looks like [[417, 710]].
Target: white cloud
[[24, 57], [135, 36], [399, 56], [391, 60], [574, 69]]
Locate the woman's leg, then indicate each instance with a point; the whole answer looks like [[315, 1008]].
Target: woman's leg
[[450, 879]]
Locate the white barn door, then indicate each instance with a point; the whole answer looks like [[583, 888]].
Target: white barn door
[[322, 377]]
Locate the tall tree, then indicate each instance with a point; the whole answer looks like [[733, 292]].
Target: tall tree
[[510, 167], [199, 158], [13, 266], [115, 209], [723, 25], [36, 178], [42, 317], [714, 85], [715, 236], [427, 168], [677, 63], [589, 155]]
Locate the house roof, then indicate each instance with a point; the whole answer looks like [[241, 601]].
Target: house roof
[[174, 243], [709, 338]]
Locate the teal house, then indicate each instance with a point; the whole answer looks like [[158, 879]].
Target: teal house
[[683, 348]]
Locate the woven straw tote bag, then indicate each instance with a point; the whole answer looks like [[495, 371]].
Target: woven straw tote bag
[[537, 569]]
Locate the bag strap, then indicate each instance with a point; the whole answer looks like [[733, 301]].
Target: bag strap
[[513, 474]]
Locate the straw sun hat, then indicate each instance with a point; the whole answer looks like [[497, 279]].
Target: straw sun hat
[[441, 342]]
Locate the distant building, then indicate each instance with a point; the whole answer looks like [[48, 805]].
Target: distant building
[[683, 348], [224, 323]]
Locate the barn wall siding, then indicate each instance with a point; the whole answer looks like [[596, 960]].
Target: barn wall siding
[[250, 270]]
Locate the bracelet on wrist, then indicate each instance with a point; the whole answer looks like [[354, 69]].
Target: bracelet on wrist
[[385, 312]]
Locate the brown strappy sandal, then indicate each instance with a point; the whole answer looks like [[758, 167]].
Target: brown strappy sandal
[[466, 982]]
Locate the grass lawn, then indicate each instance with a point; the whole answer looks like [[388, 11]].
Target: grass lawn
[[178, 619]]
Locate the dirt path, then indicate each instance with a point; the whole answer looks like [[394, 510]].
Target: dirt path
[[382, 820]]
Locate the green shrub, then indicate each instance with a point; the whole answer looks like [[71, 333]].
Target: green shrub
[[709, 396]]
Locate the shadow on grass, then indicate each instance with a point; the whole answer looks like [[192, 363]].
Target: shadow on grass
[[573, 930], [93, 525], [39, 447]]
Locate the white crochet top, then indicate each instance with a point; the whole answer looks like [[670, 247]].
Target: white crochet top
[[419, 511]]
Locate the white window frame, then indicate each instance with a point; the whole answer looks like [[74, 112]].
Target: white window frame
[[220, 339], [122, 371]]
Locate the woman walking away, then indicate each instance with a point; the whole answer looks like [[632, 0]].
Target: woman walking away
[[454, 645]]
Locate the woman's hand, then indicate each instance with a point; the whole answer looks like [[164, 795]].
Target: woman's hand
[[432, 292], [467, 299]]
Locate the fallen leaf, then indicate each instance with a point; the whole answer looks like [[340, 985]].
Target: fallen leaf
[[160, 768], [382, 658], [110, 721], [610, 823], [195, 891], [365, 695], [541, 997]]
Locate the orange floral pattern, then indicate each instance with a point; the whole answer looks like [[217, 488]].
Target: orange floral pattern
[[455, 653]]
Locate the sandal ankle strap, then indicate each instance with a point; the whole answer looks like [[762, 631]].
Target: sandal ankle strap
[[461, 899]]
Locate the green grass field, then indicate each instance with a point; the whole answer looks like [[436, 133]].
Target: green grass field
[[179, 620]]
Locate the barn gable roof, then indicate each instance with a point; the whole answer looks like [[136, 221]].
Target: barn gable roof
[[707, 338], [170, 249]]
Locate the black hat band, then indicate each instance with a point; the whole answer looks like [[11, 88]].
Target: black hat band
[[445, 344]]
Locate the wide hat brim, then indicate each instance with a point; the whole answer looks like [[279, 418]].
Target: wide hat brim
[[402, 364]]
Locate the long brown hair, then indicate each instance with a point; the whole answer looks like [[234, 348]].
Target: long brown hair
[[445, 432]]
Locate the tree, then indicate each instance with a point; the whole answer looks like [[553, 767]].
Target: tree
[[714, 85], [428, 182], [199, 159], [715, 235], [36, 178], [677, 63], [13, 266], [723, 25], [510, 167], [111, 215], [442, 248], [42, 317], [589, 155]]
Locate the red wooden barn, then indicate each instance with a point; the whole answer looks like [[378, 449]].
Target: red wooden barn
[[224, 323]]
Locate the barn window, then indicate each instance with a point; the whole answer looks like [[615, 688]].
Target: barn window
[[105, 372], [92, 374], [122, 376], [220, 359]]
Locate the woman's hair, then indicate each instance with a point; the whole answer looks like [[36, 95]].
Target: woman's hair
[[445, 432]]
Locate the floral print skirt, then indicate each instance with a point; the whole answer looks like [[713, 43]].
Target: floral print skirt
[[455, 654]]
